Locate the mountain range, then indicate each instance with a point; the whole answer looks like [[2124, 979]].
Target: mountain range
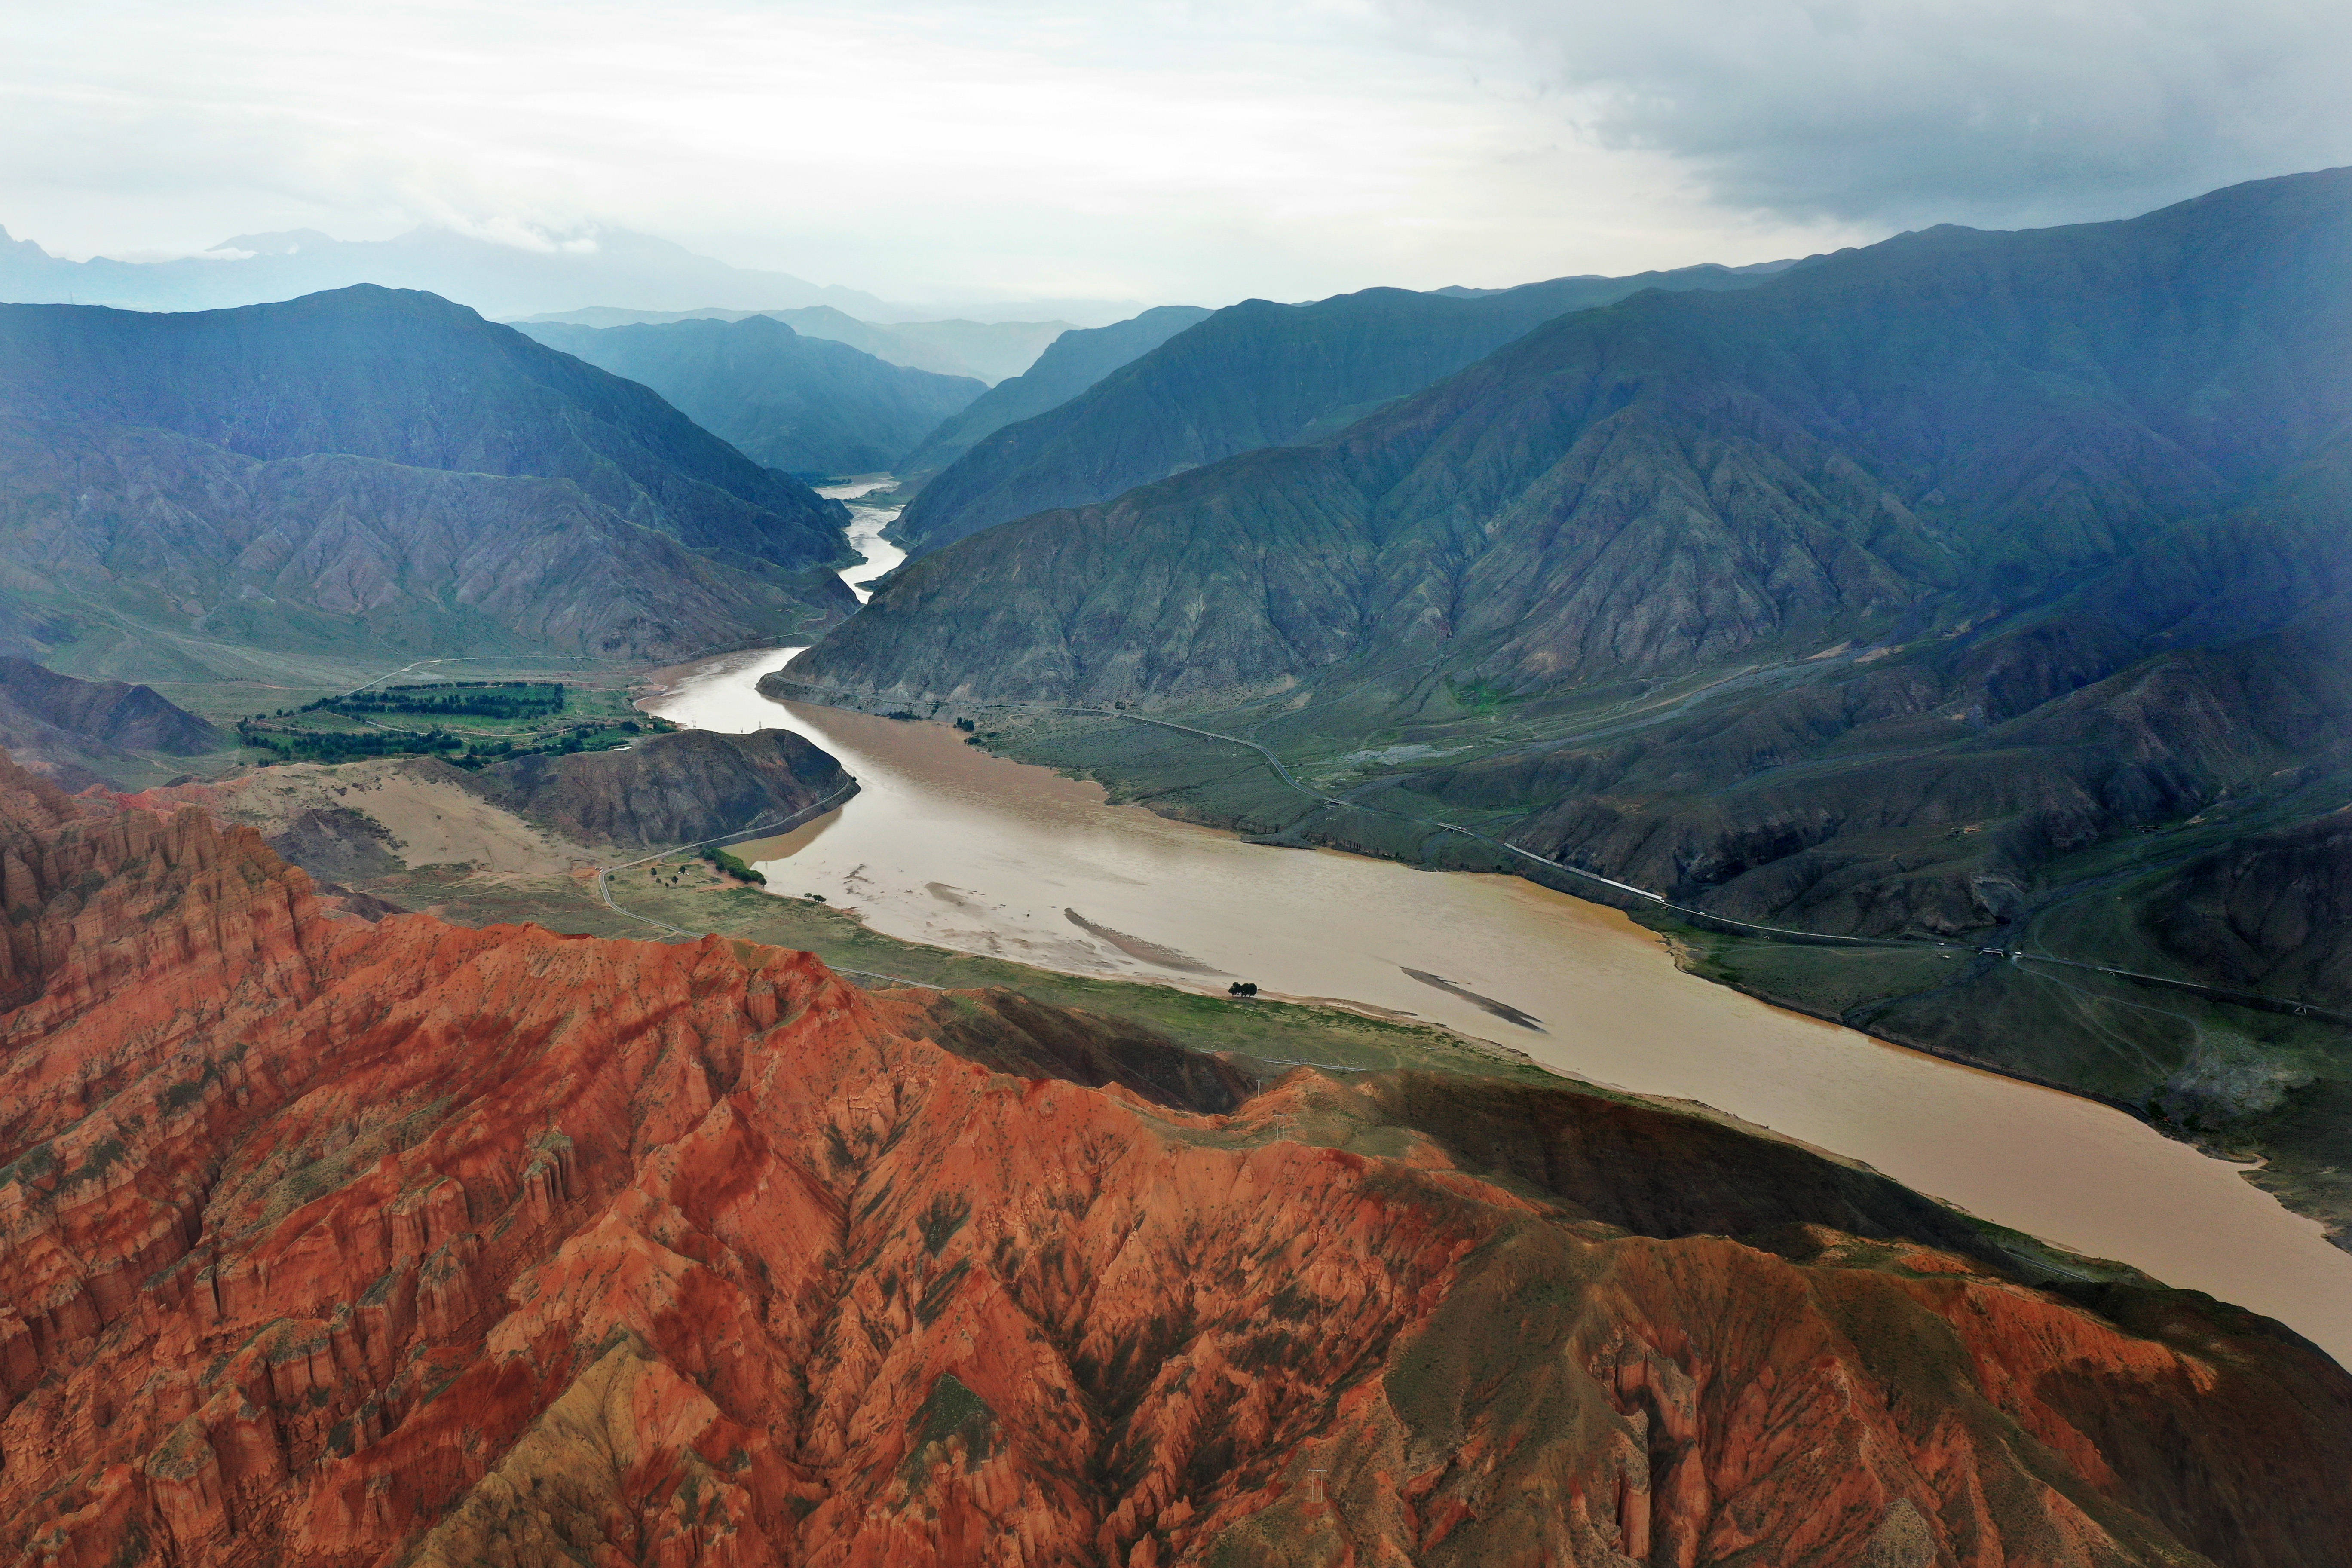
[[1069, 365], [986, 350], [496, 278], [799, 404], [1989, 589], [529, 273], [373, 469], [1254, 375]]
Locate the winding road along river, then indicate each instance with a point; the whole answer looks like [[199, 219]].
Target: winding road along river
[[946, 844]]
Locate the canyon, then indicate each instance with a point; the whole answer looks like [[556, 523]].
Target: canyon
[[332, 1240]]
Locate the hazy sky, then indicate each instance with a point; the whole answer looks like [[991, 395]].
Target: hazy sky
[[1172, 150]]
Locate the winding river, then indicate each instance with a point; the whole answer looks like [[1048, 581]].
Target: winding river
[[946, 844]]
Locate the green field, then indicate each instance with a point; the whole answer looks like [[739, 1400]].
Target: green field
[[471, 723]]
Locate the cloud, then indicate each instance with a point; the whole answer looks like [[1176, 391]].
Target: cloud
[[2012, 110], [1169, 149]]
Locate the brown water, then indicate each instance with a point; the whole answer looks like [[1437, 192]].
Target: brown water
[[948, 845]]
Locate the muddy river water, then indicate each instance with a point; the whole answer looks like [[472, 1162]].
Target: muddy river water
[[946, 844]]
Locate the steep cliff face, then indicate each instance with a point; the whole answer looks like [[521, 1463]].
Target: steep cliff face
[[331, 1243]]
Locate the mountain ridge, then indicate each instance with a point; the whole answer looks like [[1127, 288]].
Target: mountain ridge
[[378, 470], [803, 405], [988, 352], [1070, 364], [1250, 375], [71, 730]]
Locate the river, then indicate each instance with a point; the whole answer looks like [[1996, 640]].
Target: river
[[945, 844]]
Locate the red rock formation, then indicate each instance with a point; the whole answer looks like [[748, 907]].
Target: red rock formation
[[337, 1244]]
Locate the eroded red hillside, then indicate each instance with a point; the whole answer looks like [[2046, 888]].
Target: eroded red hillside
[[337, 1244]]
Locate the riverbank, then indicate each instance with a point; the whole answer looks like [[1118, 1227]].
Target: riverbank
[[952, 845], [2258, 1087]]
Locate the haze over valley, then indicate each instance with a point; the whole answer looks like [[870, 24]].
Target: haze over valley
[[1427, 785]]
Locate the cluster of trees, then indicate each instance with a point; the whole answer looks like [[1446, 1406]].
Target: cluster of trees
[[734, 867], [471, 698], [355, 745], [346, 746]]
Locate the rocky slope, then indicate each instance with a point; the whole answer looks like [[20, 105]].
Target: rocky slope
[[1254, 375], [1070, 364], [1968, 586], [2270, 912], [71, 729], [669, 790], [370, 466], [135, 552], [801, 404], [333, 1243]]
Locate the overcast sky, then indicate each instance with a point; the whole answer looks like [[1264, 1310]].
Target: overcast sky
[[1162, 149]]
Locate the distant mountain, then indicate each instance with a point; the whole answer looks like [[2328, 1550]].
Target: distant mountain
[[993, 349], [986, 350], [1077, 310], [373, 467], [494, 279], [1071, 363], [798, 403], [1989, 587], [1253, 374]]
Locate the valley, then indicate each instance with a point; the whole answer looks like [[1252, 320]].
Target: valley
[[954, 867], [1701, 918], [947, 848], [1919, 596]]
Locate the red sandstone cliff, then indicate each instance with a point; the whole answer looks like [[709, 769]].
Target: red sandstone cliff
[[336, 1243]]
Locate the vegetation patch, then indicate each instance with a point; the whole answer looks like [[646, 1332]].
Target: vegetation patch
[[735, 866], [950, 1410], [470, 723]]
